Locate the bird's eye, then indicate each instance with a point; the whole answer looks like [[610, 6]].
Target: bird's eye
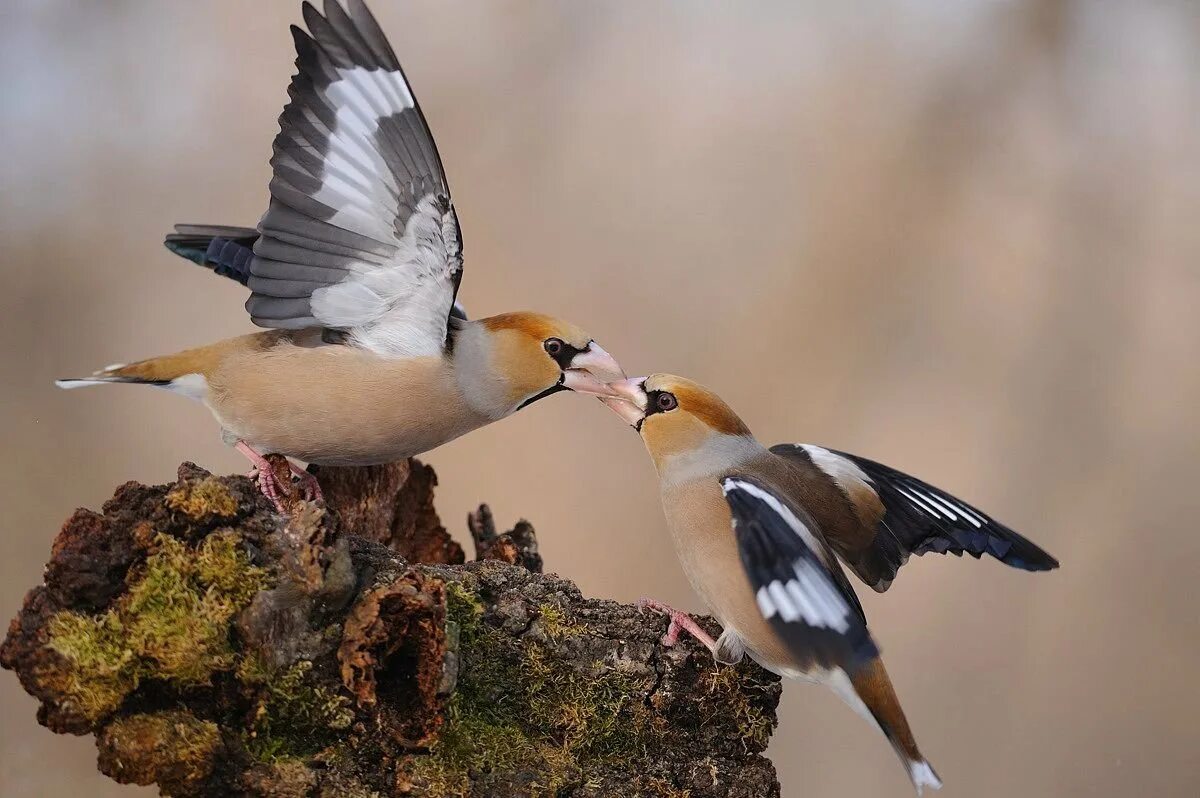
[[554, 346], [666, 401]]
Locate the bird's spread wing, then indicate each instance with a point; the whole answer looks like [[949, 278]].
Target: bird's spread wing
[[360, 235], [796, 580], [912, 517]]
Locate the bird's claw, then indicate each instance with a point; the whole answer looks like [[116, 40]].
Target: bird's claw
[[264, 475], [269, 486], [310, 488], [680, 621]]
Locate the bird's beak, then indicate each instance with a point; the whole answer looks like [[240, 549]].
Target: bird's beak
[[591, 370], [580, 381], [600, 364], [628, 400]]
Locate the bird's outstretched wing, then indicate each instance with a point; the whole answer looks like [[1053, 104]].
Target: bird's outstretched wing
[[360, 235], [798, 584], [909, 516]]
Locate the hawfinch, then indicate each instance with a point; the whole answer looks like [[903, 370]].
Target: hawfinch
[[759, 533], [355, 265]]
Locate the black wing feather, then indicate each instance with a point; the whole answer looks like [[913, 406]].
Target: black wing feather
[[920, 518], [794, 577]]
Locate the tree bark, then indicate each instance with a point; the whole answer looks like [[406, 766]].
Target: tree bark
[[215, 647]]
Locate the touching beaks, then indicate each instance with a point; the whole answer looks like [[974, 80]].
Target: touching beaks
[[628, 400], [600, 364], [580, 381], [631, 390], [591, 370]]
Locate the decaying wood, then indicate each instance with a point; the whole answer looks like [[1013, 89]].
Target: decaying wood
[[391, 504], [517, 546], [215, 647]]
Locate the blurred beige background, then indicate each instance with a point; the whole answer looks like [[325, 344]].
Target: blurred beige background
[[960, 238]]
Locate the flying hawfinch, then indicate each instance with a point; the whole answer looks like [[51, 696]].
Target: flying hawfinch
[[757, 531], [356, 265]]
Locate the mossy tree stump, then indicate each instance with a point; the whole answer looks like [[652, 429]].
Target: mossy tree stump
[[214, 647]]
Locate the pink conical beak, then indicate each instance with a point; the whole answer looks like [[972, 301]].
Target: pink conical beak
[[628, 400]]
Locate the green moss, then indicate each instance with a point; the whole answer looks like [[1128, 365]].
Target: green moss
[[203, 499], [601, 714], [172, 623], [754, 724], [100, 668], [173, 749], [463, 609], [221, 565], [553, 623], [553, 724], [295, 717], [434, 776]]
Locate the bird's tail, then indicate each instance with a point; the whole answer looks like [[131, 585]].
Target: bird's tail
[[225, 250], [160, 372], [872, 687], [183, 372], [102, 377]]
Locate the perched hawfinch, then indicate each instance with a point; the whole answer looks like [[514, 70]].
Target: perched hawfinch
[[757, 531], [356, 265]]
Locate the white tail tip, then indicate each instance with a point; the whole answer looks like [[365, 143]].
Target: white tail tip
[[68, 385], [922, 776]]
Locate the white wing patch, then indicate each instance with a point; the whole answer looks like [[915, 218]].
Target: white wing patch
[[938, 507], [844, 471], [809, 595], [394, 304], [400, 309], [779, 508], [841, 470], [357, 180], [923, 505]]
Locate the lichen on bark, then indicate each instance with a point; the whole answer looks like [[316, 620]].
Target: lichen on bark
[[215, 647]]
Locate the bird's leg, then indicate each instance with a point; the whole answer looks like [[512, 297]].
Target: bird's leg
[[308, 483], [679, 621], [264, 475]]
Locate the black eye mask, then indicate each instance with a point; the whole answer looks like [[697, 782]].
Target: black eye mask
[[656, 403], [566, 353]]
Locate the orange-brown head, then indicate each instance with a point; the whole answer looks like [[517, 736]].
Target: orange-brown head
[[514, 359], [674, 415]]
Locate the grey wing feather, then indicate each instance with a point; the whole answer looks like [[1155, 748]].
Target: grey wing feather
[[213, 230], [373, 35], [360, 235]]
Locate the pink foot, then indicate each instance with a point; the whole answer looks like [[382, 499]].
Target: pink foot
[[263, 474], [679, 621], [308, 484]]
